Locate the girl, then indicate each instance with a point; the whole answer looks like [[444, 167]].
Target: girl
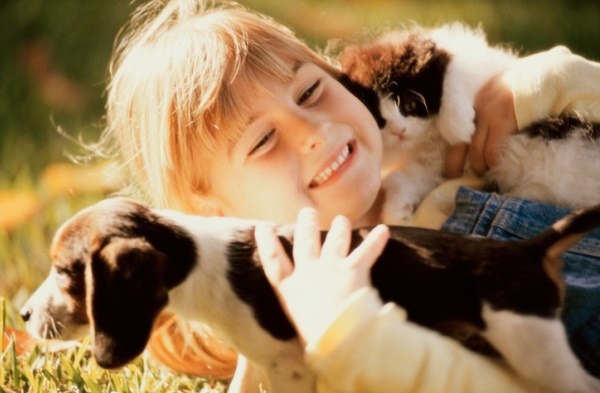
[[220, 111], [571, 84]]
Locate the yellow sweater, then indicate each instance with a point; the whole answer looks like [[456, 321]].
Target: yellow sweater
[[371, 347]]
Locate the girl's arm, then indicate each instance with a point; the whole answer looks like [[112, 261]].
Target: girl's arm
[[371, 347], [354, 342], [548, 83], [552, 83]]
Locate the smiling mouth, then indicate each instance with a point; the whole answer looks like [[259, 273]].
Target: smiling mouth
[[331, 169]]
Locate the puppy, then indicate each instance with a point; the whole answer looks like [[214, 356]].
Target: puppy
[[117, 264]]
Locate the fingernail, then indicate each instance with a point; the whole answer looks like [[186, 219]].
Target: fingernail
[[340, 220], [306, 212], [263, 229]]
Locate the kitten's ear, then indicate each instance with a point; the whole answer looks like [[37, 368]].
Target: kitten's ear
[[125, 293]]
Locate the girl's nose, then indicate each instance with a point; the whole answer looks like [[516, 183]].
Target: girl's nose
[[312, 133]]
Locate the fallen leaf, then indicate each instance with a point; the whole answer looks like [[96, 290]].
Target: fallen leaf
[[23, 341], [17, 207]]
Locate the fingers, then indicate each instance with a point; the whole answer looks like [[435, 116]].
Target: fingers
[[479, 140], [495, 119], [477, 148], [276, 264], [338, 239], [456, 156], [495, 139], [307, 246], [307, 238], [371, 247]]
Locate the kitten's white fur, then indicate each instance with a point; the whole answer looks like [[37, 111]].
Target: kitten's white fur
[[565, 172]]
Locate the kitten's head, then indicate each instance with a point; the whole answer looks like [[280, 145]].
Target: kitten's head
[[405, 71]]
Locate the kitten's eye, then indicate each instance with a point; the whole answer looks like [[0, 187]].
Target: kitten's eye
[[308, 93], [263, 141], [409, 104]]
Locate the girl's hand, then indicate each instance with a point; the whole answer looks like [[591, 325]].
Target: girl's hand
[[322, 277], [495, 119]]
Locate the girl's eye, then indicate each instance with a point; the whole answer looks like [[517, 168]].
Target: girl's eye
[[263, 141], [308, 93]]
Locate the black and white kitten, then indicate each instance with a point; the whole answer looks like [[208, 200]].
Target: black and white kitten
[[421, 84]]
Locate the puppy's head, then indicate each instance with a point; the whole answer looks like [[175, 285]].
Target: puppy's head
[[112, 267]]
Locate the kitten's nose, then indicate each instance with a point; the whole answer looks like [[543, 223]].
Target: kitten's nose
[[25, 313]]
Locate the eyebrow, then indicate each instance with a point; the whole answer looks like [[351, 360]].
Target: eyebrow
[[295, 68], [297, 65]]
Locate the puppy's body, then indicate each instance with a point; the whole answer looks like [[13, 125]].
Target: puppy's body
[[118, 263], [421, 85]]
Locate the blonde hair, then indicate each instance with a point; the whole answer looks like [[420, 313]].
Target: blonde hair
[[170, 101]]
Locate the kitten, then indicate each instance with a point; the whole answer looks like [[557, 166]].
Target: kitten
[[425, 82], [420, 85]]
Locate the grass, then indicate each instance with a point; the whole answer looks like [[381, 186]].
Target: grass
[[75, 40], [72, 370]]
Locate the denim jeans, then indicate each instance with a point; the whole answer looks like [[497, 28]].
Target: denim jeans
[[495, 216]]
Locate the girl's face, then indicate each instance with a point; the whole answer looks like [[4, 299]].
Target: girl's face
[[309, 142]]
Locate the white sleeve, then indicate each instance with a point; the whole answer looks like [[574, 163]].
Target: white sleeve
[[371, 347], [554, 82]]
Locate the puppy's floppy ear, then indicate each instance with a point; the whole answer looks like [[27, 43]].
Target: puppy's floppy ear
[[125, 294]]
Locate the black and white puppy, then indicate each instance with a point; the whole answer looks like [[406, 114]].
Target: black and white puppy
[[117, 264], [421, 84]]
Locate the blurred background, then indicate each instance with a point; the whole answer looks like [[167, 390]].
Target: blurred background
[[54, 56]]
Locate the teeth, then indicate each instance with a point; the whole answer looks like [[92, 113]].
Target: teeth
[[327, 172]]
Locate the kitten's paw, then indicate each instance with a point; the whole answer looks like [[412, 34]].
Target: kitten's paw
[[397, 212], [458, 126]]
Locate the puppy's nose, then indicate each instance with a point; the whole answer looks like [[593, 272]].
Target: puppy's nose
[[25, 313]]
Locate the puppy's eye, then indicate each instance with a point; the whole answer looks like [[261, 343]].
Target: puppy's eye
[[70, 278], [61, 276], [65, 273]]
